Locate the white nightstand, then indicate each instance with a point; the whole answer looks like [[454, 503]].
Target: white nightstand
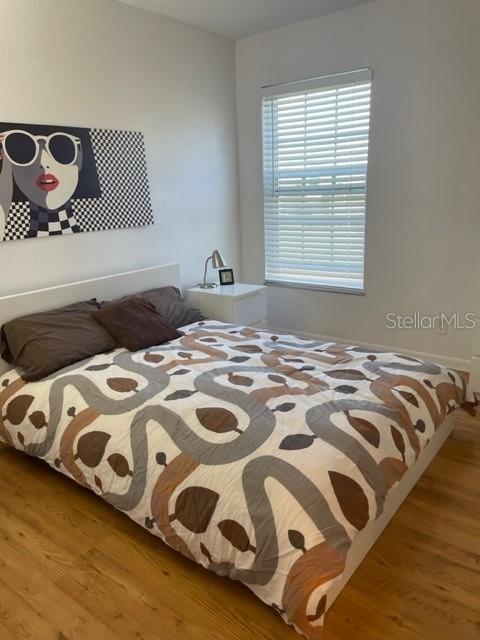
[[237, 303]]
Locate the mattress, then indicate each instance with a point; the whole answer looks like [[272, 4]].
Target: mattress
[[267, 458]]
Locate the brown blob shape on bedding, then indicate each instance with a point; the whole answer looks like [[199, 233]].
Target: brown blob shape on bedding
[[217, 419], [17, 409], [351, 498], [241, 381], [365, 428], [393, 470], [122, 385], [91, 448], [236, 535], [37, 418], [195, 507], [119, 465]]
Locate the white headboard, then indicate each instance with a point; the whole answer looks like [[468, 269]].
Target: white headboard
[[102, 288]]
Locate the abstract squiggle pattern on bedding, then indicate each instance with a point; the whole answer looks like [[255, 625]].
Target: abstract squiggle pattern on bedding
[[260, 456]]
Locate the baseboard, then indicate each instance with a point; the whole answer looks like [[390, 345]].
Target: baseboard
[[447, 361]]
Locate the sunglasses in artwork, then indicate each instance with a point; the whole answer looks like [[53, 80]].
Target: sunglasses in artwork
[[22, 148]]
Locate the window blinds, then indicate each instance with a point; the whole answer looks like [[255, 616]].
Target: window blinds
[[315, 157]]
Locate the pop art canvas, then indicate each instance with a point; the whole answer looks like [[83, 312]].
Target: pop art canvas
[[57, 180]]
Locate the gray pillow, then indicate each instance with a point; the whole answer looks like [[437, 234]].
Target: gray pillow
[[43, 343], [168, 302]]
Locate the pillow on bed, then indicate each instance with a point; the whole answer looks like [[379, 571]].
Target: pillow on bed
[[168, 302], [43, 343], [135, 324]]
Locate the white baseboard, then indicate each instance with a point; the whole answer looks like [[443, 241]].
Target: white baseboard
[[447, 361]]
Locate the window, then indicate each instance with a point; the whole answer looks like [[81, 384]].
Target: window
[[315, 157]]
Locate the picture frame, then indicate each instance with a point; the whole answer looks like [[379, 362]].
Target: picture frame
[[226, 276], [85, 188]]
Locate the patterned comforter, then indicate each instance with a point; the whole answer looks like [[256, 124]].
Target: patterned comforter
[[259, 456]]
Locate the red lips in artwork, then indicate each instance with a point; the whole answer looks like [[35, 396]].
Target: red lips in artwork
[[47, 182]]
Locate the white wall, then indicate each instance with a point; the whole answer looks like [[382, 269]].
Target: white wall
[[98, 63], [423, 219]]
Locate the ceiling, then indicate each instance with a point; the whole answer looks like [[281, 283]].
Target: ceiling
[[240, 18]]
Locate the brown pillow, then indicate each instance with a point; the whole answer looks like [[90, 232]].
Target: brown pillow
[[43, 343], [168, 302], [135, 324]]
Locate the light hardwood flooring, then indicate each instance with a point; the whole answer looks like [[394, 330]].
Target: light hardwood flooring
[[72, 568]]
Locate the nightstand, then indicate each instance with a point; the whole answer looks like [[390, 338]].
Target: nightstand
[[244, 304]]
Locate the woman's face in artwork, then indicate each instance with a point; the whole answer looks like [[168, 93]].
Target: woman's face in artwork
[[52, 178]]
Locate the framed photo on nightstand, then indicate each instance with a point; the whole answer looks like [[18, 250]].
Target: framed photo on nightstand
[[226, 276]]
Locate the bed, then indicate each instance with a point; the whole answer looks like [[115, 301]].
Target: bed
[[267, 458]]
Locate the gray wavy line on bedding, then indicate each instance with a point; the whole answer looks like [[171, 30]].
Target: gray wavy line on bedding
[[139, 445], [319, 421], [309, 497], [297, 345], [91, 394], [205, 383], [262, 422], [428, 368], [261, 425], [363, 349], [423, 367]]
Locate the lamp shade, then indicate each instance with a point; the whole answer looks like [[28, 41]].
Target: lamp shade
[[218, 261]]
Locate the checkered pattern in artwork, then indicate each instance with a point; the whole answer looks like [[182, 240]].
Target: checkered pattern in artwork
[[52, 223], [122, 173], [125, 196], [18, 221]]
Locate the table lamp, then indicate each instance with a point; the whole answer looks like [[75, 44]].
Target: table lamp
[[218, 262]]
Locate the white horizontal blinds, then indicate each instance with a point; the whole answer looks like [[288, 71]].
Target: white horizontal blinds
[[315, 155]]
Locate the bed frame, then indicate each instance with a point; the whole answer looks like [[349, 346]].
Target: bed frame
[[102, 288], [114, 286], [367, 538]]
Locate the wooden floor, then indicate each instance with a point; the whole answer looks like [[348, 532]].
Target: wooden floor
[[71, 568]]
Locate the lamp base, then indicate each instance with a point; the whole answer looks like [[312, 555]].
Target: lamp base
[[206, 285]]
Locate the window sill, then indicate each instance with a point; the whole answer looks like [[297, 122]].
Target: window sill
[[316, 287]]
